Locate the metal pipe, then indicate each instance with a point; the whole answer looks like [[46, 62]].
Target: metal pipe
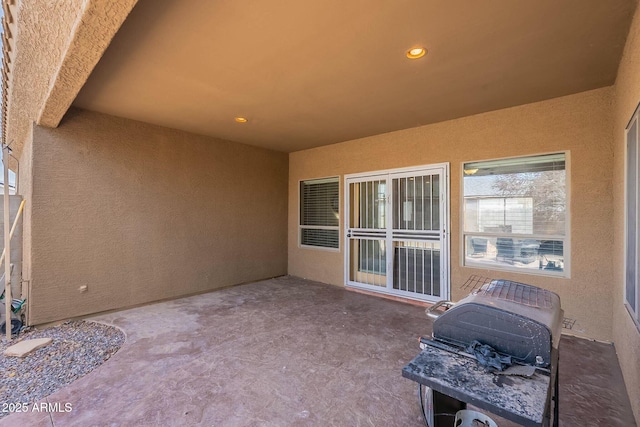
[[7, 242]]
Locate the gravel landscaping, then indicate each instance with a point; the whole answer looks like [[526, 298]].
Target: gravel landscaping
[[78, 347]]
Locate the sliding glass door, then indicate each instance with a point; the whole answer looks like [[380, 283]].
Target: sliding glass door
[[396, 239]]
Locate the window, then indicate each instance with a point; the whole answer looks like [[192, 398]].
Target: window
[[632, 258], [319, 213], [515, 214]]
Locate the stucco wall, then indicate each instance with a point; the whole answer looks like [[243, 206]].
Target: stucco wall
[[579, 123], [139, 213], [31, 74], [60, 43], [626, 335]]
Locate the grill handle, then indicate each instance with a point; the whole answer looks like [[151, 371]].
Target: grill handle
[[433, 312]]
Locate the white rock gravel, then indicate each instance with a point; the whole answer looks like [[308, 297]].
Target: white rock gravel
[[78, 347]]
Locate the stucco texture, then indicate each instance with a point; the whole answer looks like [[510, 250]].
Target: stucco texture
[[580, 124], [626, 334], [139, 213], [64, 40]]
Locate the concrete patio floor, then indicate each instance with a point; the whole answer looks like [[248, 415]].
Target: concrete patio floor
[[290, 352]]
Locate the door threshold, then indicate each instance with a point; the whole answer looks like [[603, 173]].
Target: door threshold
[[390, 297]]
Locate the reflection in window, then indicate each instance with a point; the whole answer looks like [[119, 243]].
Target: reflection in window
[[515, 213]]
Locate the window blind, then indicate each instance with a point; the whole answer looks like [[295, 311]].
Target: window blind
[[319, 212], [525, 195]]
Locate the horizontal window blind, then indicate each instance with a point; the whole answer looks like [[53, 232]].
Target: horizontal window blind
[[319, 203], [319, 237], [524, 196], [319, 213]]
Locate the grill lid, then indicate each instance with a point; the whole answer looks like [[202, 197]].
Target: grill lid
[[519, 293], [514, 318], [540, 305]]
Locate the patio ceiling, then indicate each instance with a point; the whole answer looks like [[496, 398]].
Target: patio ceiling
[[317, 72]]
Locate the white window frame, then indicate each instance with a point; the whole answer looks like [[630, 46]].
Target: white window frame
[[318, 227], [566, 238], [635, 119]]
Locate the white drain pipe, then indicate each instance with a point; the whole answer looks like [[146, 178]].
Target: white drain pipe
[[7, 244]]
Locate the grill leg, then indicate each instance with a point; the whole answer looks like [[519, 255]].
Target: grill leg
[[438, 410], [444, 409], [556, 399]]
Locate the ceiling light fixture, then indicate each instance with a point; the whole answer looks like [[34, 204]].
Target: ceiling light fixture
[[416, 52], [241, 120]]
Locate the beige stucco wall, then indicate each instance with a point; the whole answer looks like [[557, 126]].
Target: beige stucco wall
[[626, 335], [139, 213], [60, 43], [31, 74], [578, 123]]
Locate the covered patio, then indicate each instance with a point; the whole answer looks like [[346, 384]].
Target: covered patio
[[288, 351], [167, 149]]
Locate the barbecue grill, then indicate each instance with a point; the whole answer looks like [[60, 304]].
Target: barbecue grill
[[517, 320], [519, 323]]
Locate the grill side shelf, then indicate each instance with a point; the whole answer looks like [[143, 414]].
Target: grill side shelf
[[522, 400]]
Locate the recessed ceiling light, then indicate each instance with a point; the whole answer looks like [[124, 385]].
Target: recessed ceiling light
[[416, 52], [241, 119]]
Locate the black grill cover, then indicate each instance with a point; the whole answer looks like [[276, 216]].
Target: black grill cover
[[518, 320]]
